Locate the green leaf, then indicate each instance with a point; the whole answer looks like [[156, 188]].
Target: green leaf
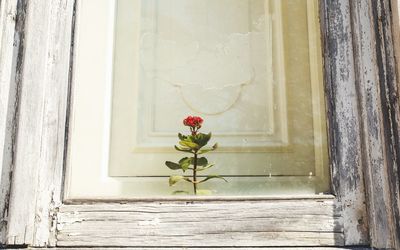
[[173, 165], [213, 177], [201, 139], [203, 151], [206, 139], [206, 167], [174, 179], [188, 150], [185, 163], [202, 161], [204, 192], [189, 144], [182, 137]]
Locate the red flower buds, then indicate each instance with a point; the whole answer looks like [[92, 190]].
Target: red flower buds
[[194, 122]]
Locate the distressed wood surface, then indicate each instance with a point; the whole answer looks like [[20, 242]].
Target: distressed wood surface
[[396, 29], [38, 161], [394, 26], [344, 119], [11, 38], [395, 8], [390, 105], [373, 53], [8, 16], [368, 93], [219, 248], [201, 224]]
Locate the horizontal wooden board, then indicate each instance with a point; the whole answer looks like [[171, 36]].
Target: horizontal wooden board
[[223, 248], [201, 224]]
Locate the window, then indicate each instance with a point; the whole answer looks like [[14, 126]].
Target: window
[[252, 69], [362, 119]]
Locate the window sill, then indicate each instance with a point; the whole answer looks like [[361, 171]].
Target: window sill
[[202, 222]]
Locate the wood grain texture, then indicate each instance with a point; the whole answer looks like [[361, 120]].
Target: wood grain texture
[[344, 119], [379, 111], [38, 161], [11, 40], [395, 24], [368, 94], [389, 103], [8, 16], [219, 248], [201, 224]]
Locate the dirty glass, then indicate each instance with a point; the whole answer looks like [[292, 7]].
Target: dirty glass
[[250, 68]]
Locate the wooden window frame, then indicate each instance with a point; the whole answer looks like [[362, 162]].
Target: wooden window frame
[[36, 70]]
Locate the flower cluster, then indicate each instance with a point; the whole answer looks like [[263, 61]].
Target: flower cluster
[[194, 122]]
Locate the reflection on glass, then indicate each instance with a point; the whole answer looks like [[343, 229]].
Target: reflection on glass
[[250, 68]]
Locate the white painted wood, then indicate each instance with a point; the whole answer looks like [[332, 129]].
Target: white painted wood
[[199, 198], [208, 223], [9, 46], [38, 166], [219, 248], [8, 12]]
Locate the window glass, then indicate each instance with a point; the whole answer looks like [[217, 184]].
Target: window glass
[[250, 68]]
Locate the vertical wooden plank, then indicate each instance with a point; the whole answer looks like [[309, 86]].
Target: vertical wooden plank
[[374, 144], [396, 33], [344, 121], [12, 15], [390, 122], [8, 15], [37, 175], [393, 8]]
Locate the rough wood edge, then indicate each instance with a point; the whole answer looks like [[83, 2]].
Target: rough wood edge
[[12, 24], [390, 106], [376, 78], [198, 199], [343, 119], [219, 248], [368, 95], [222, 223], [395, 8], [38, 161]]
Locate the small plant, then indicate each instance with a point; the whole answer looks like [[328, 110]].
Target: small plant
[[193, 144]]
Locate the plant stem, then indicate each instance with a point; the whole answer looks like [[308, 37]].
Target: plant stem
[[195, 174]]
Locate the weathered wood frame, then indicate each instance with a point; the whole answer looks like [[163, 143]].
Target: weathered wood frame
[[364, 118]]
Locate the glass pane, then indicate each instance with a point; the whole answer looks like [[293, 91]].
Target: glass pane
[[250, 68]]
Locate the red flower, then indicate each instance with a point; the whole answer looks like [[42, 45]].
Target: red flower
[[194, 122]]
